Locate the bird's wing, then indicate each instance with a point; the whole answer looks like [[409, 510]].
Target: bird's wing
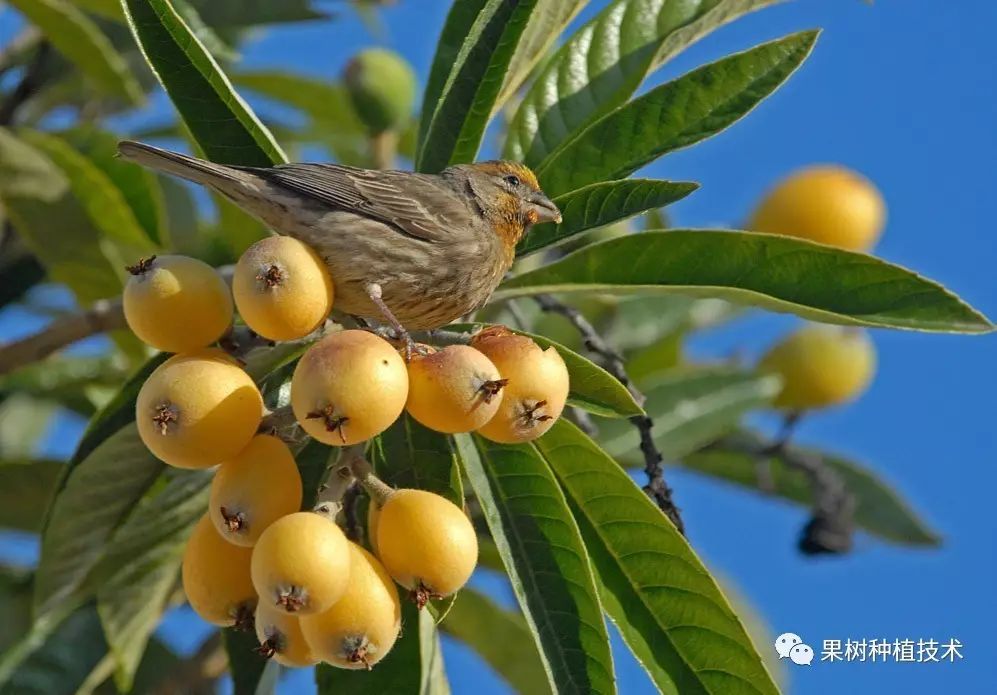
[[416, 205]]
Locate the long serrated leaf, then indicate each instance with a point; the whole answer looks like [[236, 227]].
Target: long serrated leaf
[[546, 23], [223, 125], [603, 63], [690, 408], [103, 201], [591, 387], [600, 204], [880, 509], [97, 495], [502, 638], [78, 38], [779, 273], [408, 455], [51, 221], [412, 667], [138, 571], [668, 608], [677, 114], [476, 61], [26, 487], [547, 563]]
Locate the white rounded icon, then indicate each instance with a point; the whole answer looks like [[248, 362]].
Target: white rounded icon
[[785, 642], [802, 654]]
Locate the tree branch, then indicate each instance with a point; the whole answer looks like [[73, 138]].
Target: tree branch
[[105, 315], [831, 527], [656, 488]]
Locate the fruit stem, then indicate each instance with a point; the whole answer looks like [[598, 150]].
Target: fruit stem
[[378, 490]]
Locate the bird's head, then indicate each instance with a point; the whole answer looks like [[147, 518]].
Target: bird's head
[[508, 194]]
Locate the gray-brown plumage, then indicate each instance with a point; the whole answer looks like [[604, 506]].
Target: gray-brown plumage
[[433, 247]]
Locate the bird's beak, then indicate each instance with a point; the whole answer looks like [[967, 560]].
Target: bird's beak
[[541, 208]]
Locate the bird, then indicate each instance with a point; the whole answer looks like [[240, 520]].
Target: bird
[[415, 250]]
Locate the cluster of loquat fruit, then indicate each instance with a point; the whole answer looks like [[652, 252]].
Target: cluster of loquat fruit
[[255, 557]]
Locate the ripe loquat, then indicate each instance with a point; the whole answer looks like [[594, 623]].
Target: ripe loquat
[[361, 627], [456, 389], [216, 577], [198, 409], [282, 288], [301, 563], [821, 366], [828, 204], [426, 542], [537, 387], [176, 303], [281, 638], [255, 488], [349, 387]]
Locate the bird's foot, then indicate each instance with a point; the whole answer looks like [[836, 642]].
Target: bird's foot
[[399, 334]]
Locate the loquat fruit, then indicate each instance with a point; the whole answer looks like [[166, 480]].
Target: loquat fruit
[[176, 303], [349, 387], [255, 488], [281, 638], [282, 288], [828, 204], [198, 409], [821, 366], [536, 389], [362, 626], [456, 389], [301, 563], [216, 577], [426, 542]]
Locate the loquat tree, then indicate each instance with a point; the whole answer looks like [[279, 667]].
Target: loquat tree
[[317, 477]]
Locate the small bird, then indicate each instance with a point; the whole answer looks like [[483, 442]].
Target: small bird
[[418, 250]]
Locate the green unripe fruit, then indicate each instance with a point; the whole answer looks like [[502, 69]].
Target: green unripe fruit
[[382, 88]]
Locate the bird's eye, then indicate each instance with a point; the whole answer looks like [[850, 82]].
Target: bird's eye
[[512, 180]]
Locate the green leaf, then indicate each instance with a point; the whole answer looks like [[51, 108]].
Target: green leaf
[[139, 187], [25, 490], [138, 571], [880, 509], [220, 121], [600, 204], [779, 273], [478, 41], [668, 608], [23, 423], [592, 388], [548, 21], [334, 122], [65, 379], [412, 667], [677, 114], [251, 673], [96, 497], [501, 637], [122, 237], [546, 560], [51, 222], [108, 9], [690, 408], [408, 455], [600, 67], [79, 39], [55, 657]]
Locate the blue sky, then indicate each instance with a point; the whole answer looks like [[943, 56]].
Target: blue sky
[[900, 90]]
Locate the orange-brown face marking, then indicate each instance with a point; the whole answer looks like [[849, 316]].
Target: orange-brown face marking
[[506, 168]]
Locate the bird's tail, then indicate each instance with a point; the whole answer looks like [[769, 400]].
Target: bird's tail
[[217, 176]]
